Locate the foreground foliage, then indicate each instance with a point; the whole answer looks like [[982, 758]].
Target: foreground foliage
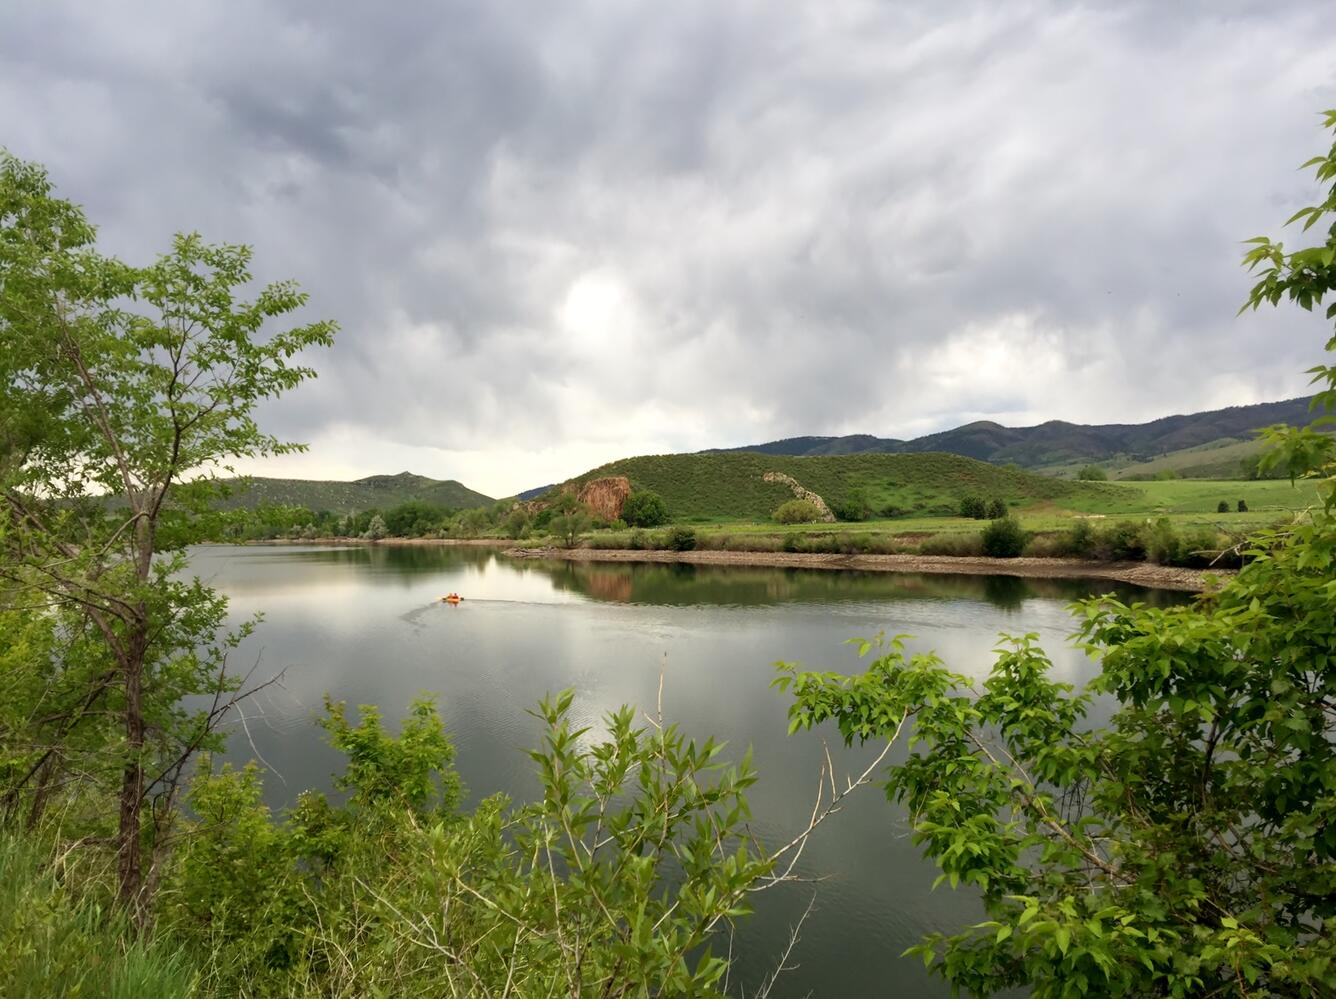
[[610, 884], [1187, 845]]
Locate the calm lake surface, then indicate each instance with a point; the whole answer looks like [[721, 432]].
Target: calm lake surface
[[365, 625]]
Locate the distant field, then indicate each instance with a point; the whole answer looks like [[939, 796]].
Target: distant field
[[1184, 502]]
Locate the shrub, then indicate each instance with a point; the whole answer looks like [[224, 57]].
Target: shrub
[[376, 529], [1243, 506], [997, 508], [797, 511], [1004, 538], [639, 540], [959, 545], [1079, 539], [1222, 506], [681, 539], [1123, 542], [1046, 546], [1163, 545], [973, 507], [855, 508], [644, 508], [1092, 473]]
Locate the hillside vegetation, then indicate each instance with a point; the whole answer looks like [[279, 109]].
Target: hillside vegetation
[[1057, 442], [729, 485], [378, 492]]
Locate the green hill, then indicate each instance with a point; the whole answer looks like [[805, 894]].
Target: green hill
[[375, 491], [728, 485]]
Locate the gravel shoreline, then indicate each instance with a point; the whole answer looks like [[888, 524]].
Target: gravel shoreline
[[1139, 573]]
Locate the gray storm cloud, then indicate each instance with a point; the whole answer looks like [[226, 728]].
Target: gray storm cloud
[[556, 234]]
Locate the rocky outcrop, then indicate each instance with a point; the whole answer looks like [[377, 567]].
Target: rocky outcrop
[[801, 492], [604, 498]]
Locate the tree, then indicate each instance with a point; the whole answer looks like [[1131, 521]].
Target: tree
[[376, 529], [1188, 845], [644, 508], [1222, 506], [414, 518], [569, 526], [1092, 473], [1004, 538], [517, 523], [997, 508], [137, 383], [974, 508], [1243, 506]]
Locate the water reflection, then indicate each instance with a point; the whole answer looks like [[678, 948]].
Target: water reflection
[[366, 625], [680, 584]]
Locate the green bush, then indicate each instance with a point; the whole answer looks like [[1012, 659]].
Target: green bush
[[1243, 506], [1163, 544], [644, 508], [681, 539], [1222, 506], [797, 511], [1123, 542], [997, 508], [1092, 473], [973, 507], [854, 508], [1004, 538], [1079, 539]]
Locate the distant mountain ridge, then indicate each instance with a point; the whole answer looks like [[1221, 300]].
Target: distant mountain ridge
[[372, 492], [1058, 442]]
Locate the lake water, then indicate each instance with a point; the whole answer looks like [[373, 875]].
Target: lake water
[[365, 625]]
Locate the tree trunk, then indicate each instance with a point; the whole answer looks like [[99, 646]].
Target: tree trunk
[[129, 866]]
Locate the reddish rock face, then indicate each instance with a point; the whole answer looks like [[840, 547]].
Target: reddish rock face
[[605, 498]]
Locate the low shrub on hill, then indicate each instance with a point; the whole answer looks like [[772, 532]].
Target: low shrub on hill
[[797, 511]]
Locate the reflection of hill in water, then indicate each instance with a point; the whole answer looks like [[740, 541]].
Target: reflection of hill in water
[[652, 583]]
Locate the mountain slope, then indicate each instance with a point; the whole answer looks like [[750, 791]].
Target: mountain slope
[[374, 491], [725, 485], [1058, 442]]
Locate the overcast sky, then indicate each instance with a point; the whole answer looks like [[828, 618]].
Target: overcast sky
[[556, 234]]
